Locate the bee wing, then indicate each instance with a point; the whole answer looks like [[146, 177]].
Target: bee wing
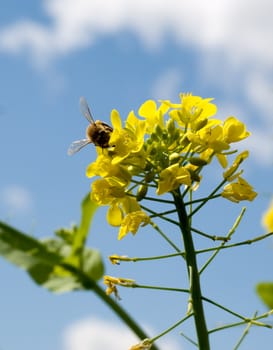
[[76, 146], [86, 110]]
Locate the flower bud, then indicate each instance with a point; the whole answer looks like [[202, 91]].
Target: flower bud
[[158, 130], [197, 161], [154, 137], [174, 158], [170, 126], [141, 192]]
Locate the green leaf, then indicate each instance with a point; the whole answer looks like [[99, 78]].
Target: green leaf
[[92, 264], [88, 260], [88, 210], [23, 250], [59, 264], [265, 292]]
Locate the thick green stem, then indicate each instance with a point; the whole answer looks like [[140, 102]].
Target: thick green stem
[[190, 256]]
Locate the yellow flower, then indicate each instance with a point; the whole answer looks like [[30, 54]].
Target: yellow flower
[[128, 140], [129, 204], [234, 130], [239, 191], [267, 219], [191, 110], [209, 137], [120, 207], [104, 193], [172, 177], [103, 167], [131, 223], [229, 174], [154, 117]]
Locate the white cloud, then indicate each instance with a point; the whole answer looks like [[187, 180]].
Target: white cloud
[[16, 199], [242, 30], [259, 92], [260, 144], [168, 85], [96, 334], [259, 89]]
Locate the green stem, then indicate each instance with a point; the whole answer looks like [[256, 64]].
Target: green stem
[[168, 330], [247, 242], [201, 200], [149, 258], [163, 213], [212, 237], [197, 304], [229, 235], [236, 347], [162, 234], [206, 199], [167, 289], [159, 215]]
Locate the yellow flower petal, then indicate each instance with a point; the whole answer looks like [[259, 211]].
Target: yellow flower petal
[[114, 215], [131, 223], [267, 219], [239, 191], [172, 177], [234, 130], [115, 119]]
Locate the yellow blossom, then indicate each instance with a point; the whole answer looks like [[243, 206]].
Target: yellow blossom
[[130, 204], [104, 193], [172, 177], [104, 167], [154, 116], [267, 219], [120, 207], [191, 110], [131, 223], [229, 174], [234, 130], [209, 137], [239, 191], [128, 140]]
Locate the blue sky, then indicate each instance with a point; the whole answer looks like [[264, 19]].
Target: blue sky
[[118, 54]]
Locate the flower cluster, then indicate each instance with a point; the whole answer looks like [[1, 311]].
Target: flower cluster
[[162, 148]]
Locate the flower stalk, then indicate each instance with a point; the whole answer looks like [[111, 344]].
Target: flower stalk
[[190, 257]]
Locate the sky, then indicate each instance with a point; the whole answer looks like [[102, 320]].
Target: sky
[[118, 54]]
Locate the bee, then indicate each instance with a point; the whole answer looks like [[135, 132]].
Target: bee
[[97, 132]]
